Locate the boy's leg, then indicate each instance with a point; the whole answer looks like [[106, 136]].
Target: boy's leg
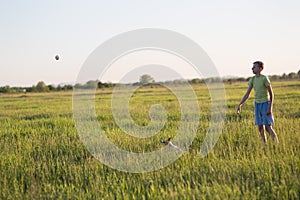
[[272, 133], [262, 133], [268, 121]]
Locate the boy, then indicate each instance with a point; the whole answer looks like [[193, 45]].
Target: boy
[[263, 106]]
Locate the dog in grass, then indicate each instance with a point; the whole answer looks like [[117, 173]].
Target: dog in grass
[[170, 144]]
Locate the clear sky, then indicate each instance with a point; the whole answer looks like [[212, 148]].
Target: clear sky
[[234, 33]]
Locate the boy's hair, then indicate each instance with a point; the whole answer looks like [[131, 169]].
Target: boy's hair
[[260, 64]]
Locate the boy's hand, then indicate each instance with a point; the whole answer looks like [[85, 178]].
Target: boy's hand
[[238, 110], [269, 111]]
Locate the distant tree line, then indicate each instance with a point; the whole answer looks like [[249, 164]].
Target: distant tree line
[[39, 87], [284, 76], [42, 87], [145, 80]]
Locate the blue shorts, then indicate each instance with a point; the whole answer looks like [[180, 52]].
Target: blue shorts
[[261, 117]]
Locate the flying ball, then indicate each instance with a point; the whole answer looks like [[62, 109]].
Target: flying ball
[[56, 57]]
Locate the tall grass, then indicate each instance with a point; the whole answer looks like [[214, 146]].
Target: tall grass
[[42, 157]]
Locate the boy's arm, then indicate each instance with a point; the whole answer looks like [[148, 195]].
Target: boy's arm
[[243, 100], [269, 111]]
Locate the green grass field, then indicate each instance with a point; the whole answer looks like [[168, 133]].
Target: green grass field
[[42, 157]]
